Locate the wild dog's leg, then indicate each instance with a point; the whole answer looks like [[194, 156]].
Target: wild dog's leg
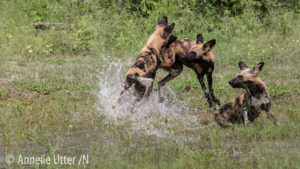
[[141, 94], [148, 91], [211, 92], [201, 81], [127, 85], [139, 98], [245, 116], [161, 83], [172, 74], [272, 118]]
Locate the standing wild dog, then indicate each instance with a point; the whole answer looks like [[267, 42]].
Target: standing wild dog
[[247, 106], [193, 54], [142, 72]]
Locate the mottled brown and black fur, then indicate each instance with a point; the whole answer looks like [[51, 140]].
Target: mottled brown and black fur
[[143, 70], [193, 54], [246, 107]]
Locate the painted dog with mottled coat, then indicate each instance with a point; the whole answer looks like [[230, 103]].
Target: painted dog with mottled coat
[[193, 54], [143, 70], [246, 107]]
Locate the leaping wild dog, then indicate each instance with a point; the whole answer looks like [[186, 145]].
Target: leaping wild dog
[[142, 72], [247, 106], [193, 54]]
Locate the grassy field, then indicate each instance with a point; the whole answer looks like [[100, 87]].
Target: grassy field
[[58, 87]]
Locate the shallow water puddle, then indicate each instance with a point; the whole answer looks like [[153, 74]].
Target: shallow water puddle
[[150, 116]]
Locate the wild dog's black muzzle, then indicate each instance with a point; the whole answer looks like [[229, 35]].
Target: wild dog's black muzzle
[[235, 83], [230, 82]]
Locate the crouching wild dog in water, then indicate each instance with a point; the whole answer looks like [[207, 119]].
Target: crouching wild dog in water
[[247, 106], [142, 72], [193, 54]]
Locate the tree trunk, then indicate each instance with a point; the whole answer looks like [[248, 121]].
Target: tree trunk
[[121, 6]]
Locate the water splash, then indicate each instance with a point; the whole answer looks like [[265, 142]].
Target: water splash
[[149, 116]]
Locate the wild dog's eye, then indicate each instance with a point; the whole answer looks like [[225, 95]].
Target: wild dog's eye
[[193, 53], [240, 77]]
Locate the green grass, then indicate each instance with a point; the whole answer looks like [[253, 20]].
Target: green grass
[[48, 87]]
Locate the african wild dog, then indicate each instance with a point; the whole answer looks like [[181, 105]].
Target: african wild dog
[[193, 54], [247, 106], [142, 72]]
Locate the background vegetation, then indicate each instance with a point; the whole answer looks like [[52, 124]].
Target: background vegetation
[[48, 81]]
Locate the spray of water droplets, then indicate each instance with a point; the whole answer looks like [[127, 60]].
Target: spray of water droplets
[[149, 115]]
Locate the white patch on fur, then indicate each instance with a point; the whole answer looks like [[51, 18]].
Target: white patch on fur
[[147, 82], [262, 100]]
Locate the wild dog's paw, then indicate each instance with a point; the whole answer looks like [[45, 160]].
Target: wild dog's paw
[[130, 109], [216, 101]]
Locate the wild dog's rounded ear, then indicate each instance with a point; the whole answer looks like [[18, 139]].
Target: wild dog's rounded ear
[[260, 65], [242, 65], [163, 21], [209, 45], [257, 68], [199, 39], [168, 30]]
